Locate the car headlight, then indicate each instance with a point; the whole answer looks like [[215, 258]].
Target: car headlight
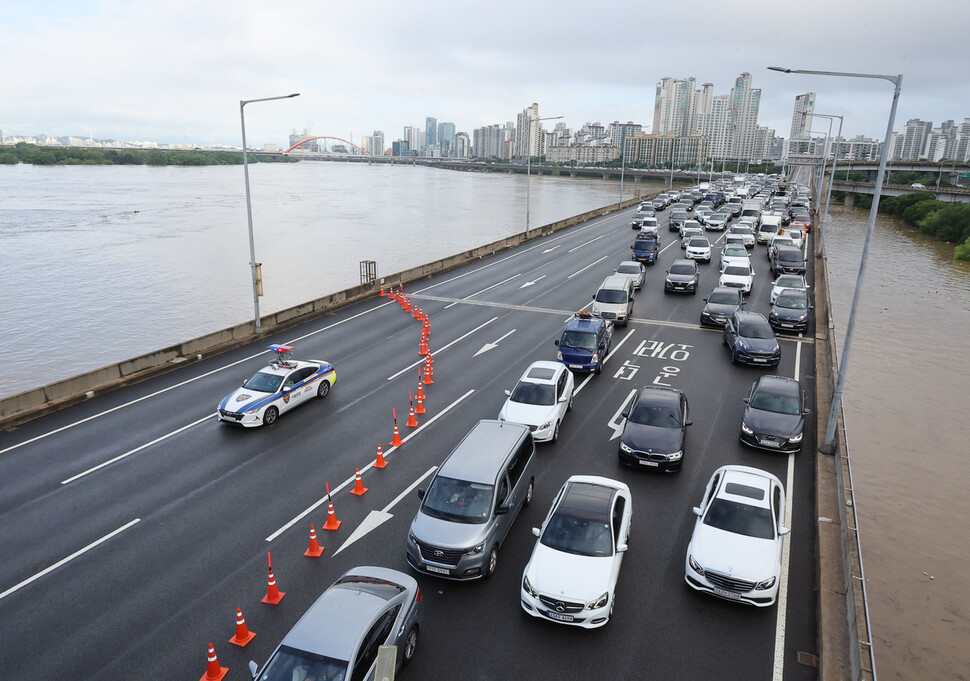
[[252, 410], [745, 429], [625, 448], [545, 425], [765, 584], [413, 539], [596, 309], [676, 456], [694, 565], [528, 587], [774, 313], [599, 602], [595, 358], [742, 343], [559, 355], [803, 317], [475, 549], [796, 438]]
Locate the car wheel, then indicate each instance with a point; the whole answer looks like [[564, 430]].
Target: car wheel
[[555, 432], [410, 645], [269, 416], [529, 492], [734, 355], [323, 389], [492, 562], [569, 407]]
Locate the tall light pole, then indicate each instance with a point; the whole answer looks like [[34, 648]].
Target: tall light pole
[[828, 444], [528, 171], [821, 174], [828, 193], [254, 266], [622, 161]]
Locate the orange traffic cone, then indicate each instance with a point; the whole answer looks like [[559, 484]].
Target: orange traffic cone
[[243, 634], [359, 488], [315, 550], [427, 374], [420, 408], [412, 422], [273, 594], [407, 303], [420, 393], [380, 463], [396, 441], [332, 522], [423, 348], [213, 672], [382, 294]]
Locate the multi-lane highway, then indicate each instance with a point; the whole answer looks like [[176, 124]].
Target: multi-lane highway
[[135, 524]]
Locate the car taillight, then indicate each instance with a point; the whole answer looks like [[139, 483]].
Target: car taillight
[[419, 594]]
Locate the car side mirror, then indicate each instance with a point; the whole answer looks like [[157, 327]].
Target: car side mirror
[[503, 509], [287, 388], [806, 411], [745, 400], [555, 341], [620, 548], [535, 531], [593, 296], [253, 668], [697, 511], [705, 300], [782, 531], [689, 422], [420, 493], [508, 393]]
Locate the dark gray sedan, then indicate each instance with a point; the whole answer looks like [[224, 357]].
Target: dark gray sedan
[[774, 415], [790, 311], [338, 638], [720, 305], [751, 339], [655, 431]]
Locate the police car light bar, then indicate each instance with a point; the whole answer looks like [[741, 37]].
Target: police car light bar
[[280, 348]]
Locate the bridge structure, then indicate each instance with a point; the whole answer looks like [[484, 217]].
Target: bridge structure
[[355, 148]]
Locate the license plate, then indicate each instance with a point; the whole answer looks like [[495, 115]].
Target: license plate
[[726, 594], [440, 571], [560, 616], [770, 443], [788, 326], [648, 463], [760, 360], [575, 366]]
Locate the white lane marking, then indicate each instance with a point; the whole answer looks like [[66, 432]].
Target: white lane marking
[[550, 250], [595, 262], [186, 382], [607, 359], [778, 672], [587, 243], [444, 347], [492, 346], [71, 557], [366, 468], [136, 449], [533, 282], [616, 421], [489, 288], [375, 519]]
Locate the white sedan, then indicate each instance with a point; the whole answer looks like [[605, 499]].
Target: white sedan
[[735, 550], [734, 255], [540, 399], [737, 276], [699, 248], [784, 281], [279, 387], [571, 575]]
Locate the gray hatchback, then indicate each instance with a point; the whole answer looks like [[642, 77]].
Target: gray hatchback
[[338, 638]]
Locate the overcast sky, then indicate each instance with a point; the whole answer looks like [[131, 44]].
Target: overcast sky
[[174, 71]]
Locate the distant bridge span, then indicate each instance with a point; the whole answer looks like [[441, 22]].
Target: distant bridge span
[[327, 137]]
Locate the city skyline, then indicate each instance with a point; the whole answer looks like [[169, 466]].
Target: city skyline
[[175, 72]]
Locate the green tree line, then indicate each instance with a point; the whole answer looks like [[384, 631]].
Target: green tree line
[[36, 155], [945, 220]]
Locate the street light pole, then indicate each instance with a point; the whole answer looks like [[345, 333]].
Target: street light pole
[[254, 266], [828, 444], [528, 170], [828, 193]]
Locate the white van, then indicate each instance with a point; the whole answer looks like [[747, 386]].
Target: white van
[[614, 299]]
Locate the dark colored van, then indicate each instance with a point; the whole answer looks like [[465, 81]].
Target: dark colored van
[[585, 342], [645, 248]]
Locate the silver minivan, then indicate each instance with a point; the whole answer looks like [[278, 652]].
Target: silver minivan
[[614, 299], [472, 501]]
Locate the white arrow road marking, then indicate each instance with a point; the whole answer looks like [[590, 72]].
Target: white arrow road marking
[[375, 519], [444, 347], [550, 250], [616, 423], [492, 346], [532, 283]]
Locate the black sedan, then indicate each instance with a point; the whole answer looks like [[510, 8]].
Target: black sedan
[[721, 304], [751, 339], [790, 311], [655, 430], [774, 417]]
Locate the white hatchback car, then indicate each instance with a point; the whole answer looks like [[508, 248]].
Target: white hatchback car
[[572, 573], [737, 276], [540, 399], [735, 549]]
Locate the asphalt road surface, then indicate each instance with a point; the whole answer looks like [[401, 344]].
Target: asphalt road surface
[[135, 524]]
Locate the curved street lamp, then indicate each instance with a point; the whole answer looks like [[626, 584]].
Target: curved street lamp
[[254, 266], [828, 193]]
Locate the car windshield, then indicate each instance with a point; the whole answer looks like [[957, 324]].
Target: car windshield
[[534, 393], [737, 271], [780, 403], [789, 281], [611, 295], [790, 255], [741, 230], [736, 252], [740, 518], [660, 416], [263, 382], [289, 664], [679, 215], [573, 533], [628, 269], [458, 500], [755, 330], [723, 298], [681, 269], [580, 340], [699, 242], [645, 244], [792, 301]]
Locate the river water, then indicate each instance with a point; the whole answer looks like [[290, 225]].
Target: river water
[[905, 401], [105, 263]]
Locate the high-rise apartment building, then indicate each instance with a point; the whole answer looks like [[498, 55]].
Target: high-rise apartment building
[[745, 103], [675, 107], [914, 138], [528, 138], [430, 131], [801, 120], [446, 138]]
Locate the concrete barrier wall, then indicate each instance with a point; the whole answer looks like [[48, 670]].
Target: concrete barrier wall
[[24, 406]]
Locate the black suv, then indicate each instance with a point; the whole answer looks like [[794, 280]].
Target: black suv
[[787, 260], [682, 276]]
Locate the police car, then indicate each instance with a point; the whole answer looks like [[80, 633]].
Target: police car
[[277, 388]]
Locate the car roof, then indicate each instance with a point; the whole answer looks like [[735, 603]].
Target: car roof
[[780, 384], [749, 316], [683, 261], [616, 281], [584, 323], [745, 476], [542, 371], [587, 500], [277, 369], [661, 396], [475, 457], [633, 263]]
